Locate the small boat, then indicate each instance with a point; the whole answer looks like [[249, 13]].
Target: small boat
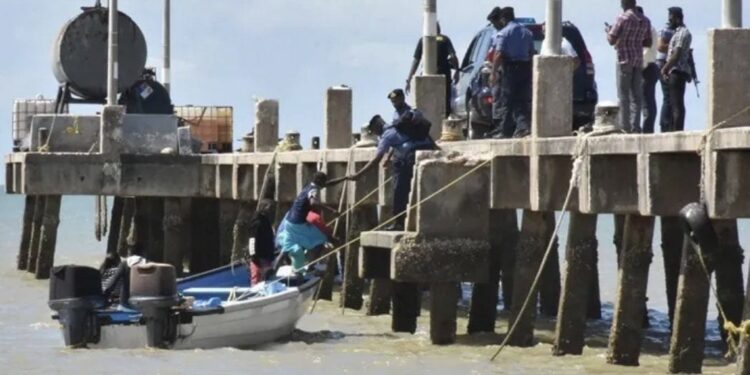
[[217, 308]]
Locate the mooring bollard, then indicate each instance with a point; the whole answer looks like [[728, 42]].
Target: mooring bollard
[[28, 223], [48, 238], [625, 336], [580, 255]]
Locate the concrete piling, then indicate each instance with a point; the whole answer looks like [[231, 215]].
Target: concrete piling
[[266, 125], [381, 291], [743, 354], [36, 233], [48, 239], [155, 243], [728, 268], [363, 218], [337, 132], [535, 228], [689, 328], [594, 305], [508, 256], [549, 284], [503, 236], [406, 301], [671, 249], [114, 225], [228, 212], [429, 97], [443, 309], [205, 235], [128, 210], [27, 224], [139, 231], [580, 255], [241, 230], [176, 235], [625, 336]]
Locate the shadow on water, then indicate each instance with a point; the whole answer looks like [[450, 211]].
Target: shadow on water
[[326, 336]]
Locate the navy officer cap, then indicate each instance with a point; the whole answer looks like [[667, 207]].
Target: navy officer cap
[[396, 93], [677, 11], [494, 14]]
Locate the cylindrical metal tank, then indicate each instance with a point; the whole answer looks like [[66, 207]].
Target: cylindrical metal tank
[[79, 55]]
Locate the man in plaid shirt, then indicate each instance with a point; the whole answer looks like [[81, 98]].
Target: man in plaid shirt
[[629, 35]]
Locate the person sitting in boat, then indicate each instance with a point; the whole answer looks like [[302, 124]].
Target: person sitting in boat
[[261, 241], [297, 237], [116, 277]]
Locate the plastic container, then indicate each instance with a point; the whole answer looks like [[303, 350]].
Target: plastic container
[[212, 125], [23, 111]]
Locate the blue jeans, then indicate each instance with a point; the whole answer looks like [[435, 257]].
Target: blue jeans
[[665, 117], [630, 93]]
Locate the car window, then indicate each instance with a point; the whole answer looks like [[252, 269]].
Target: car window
[[469, 52], [483, 46]]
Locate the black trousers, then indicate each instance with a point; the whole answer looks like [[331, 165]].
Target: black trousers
[[402, 175], [650, 77], [514, 112], [677, 83]]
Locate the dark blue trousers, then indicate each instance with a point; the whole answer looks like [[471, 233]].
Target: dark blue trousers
[[402, 174], [514, 111]]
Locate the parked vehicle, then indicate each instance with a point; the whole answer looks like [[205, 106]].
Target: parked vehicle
[[473, 99]]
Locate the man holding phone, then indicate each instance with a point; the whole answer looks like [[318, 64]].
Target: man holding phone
[[629, 35]]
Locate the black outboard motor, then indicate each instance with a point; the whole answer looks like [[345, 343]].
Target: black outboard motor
[[153, 292], [74, 292]]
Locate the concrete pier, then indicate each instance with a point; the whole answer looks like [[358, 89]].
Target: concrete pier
[[536, 227], [204, 242], [27, 225], [48, 238], [625, 337], [549, 284], [689, 326], [580, 255]]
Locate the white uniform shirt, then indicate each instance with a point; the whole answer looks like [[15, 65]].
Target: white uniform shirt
[[649, 53]]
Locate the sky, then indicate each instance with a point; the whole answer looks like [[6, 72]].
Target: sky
[[232, 52]]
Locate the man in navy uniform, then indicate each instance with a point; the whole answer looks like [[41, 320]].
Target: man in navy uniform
[[513, 51], [408, 133]]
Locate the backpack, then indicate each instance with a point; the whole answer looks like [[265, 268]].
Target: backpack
[[414, 125]]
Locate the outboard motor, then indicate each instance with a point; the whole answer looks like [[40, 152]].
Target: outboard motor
[[153, 292], [74, 293]]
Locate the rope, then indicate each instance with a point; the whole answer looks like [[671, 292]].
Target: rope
[[335, 223], [704, 150], [581, 152]]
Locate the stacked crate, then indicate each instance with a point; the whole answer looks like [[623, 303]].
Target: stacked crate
[[212, 125]]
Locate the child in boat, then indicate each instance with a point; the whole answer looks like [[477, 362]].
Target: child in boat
[[262, 241], [297, 237]]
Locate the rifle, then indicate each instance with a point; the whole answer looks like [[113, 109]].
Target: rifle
[[694, 72]]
